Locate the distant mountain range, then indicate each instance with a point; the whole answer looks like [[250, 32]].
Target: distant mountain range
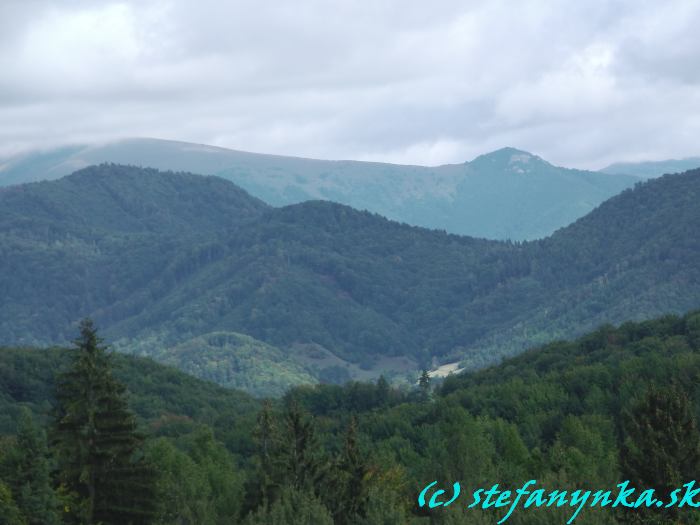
[[651, 169], [507, 194], [197, 273]]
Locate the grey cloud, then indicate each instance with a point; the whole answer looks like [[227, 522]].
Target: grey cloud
[[579, 83]]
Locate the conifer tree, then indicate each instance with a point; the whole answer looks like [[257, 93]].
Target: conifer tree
[[351, 471], [97, 444], [267, 443], [424, 384], [299, 460], [29, 474]]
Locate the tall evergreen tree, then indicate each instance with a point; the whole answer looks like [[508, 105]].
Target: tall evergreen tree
[[661, 449], [97, 444], [424, 384], [350, 498], [267, 443], [300, 462], [29, 474]]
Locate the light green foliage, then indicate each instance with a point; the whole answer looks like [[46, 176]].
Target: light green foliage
[[198, 482], [9, 513], [384, 507], [183, 490], [220, 471], [293, 507], [236, 361]]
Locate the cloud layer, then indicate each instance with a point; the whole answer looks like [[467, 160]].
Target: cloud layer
[[579, 83]]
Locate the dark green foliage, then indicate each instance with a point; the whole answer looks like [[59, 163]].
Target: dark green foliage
[[96, 442], [267, 441], [350, 491], [26, 467], [661, 449], [167, 261], [290, 467], [299, 462]]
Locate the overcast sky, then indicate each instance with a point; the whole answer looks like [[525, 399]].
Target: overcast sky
[[580, 83]]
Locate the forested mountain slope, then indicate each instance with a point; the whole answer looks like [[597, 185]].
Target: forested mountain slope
[[321, 281]]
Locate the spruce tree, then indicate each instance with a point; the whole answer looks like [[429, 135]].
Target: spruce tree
[[350, 476], [299, 460], [267, 444], [424, 384], [97, 444], [29, 474]]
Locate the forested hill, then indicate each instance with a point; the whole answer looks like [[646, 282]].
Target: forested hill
[[325, 286], [112, 200]]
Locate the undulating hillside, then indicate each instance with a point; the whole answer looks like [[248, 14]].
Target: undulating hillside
[[170, 265], [507, 194]]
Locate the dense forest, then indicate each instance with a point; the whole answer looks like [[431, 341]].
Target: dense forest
[[193, 271], [620, 403]]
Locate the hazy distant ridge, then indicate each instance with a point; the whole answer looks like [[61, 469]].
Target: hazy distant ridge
[[506, 194], [651, 169]]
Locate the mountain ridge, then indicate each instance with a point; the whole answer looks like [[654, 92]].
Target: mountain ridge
[[472, 198]]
